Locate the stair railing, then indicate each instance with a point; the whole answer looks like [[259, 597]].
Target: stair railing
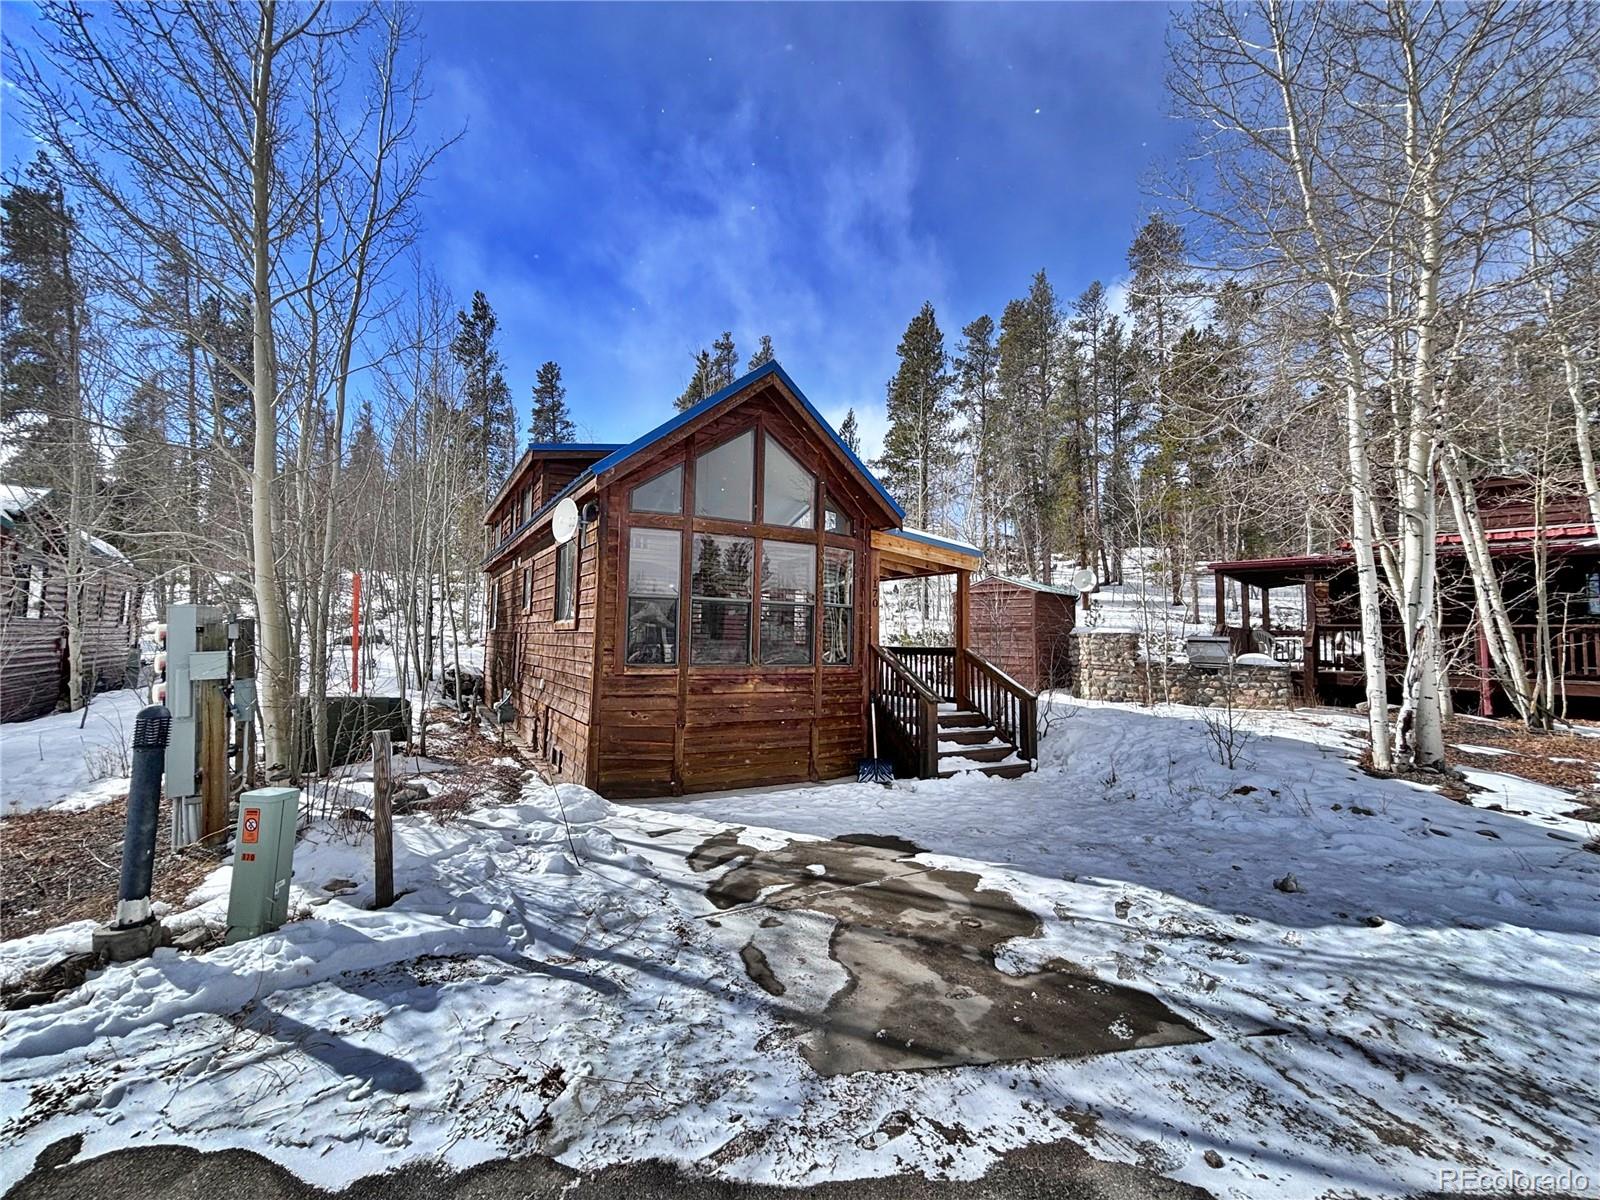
[[912, 706], [1011, 708]]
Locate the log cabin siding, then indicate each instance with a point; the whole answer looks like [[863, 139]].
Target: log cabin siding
[[33, 650], [687, 728]]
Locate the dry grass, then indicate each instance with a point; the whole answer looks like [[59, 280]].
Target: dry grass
[[64, 866], [1531, 755]]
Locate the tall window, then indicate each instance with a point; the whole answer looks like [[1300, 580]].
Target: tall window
[[719, 611], [494, 603], [654, 577], [838, 605], [36, 578], [788, 602], [724, 480], [566, 579], [788, 492], [527, 587]]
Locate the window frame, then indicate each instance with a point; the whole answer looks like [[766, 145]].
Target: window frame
[[566, 588], [748, 601], [824, 606], [625, 570]]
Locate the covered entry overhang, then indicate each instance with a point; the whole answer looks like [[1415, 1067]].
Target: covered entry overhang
[[914, 554]]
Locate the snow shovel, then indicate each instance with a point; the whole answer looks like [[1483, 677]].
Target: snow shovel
[[875, 769]]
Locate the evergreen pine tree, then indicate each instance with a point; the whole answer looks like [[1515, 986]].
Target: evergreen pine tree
[[551, 420], [977, 360], [917, 446], [763, 354], [225, 329], [41, 307], [700, 385], [488, 405], [1032, 371], [724, 361], [849, 434]]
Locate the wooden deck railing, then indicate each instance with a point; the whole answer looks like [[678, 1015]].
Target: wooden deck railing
[[1338, 647], [935, 666], [912, 710], [1011, 708]]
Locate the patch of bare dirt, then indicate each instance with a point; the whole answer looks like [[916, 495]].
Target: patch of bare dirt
[[1560, 759], [65, 866]]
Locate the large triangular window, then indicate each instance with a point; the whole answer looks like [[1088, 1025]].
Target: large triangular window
[[789, 491]]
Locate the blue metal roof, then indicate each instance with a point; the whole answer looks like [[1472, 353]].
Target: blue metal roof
[[573, 447]]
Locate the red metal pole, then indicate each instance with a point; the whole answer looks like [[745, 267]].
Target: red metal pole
[[355, 632]]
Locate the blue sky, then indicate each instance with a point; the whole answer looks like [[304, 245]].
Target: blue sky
[[633, 179]]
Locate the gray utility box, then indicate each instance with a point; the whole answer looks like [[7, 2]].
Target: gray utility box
[[1208, 650], [263, 861]]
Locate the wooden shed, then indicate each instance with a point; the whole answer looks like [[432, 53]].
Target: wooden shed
[[1023, 628], [711, 623], [33, 609]]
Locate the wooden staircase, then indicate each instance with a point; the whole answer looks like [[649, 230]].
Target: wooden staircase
[[943, 714]]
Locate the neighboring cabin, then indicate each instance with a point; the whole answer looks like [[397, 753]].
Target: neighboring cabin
[[1557, 541], [712, 623], [33, 622]]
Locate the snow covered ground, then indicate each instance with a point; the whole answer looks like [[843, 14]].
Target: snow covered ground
[[52, 761], [556, 980]]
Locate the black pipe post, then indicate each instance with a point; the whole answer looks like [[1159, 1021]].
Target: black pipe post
[[151, 729]]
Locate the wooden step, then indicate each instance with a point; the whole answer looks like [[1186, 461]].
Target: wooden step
[[961, 719], [980, 753], [969, 735], [1000, 771]]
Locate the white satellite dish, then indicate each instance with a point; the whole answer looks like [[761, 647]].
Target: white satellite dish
[[564, 521], [1084, 579]]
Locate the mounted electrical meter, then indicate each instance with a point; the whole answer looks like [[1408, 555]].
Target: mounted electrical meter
[[263, 862]]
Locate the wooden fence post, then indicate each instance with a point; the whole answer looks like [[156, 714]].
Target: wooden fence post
[[382, 821]]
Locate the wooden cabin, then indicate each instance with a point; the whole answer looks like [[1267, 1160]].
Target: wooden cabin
[[1323, 640], [33, 622], [712, 622], [1023, 627]]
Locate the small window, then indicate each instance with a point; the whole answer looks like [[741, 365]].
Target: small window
[[788, 491], [788, 602], [835, 519], [527, 587], [566, 579], [1594, 594], [654, 571], [494, 604], [724, 480], [838, 606], [36, 581], [720, 608], [663, 494]]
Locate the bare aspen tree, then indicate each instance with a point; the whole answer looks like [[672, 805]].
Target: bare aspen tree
[[207, 136]]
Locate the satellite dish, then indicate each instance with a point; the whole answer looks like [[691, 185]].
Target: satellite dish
[[1083, 579], [564, 521]]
